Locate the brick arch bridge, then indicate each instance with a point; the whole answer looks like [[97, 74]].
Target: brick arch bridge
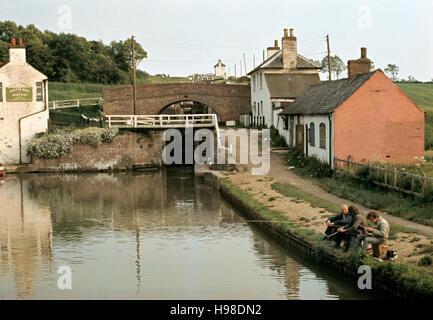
[[228, 100]]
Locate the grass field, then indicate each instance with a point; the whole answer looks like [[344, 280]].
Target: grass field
[[422, 95]]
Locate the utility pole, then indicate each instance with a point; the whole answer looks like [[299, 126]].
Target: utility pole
[[329, 57], [254, 61], [240, 64], [245, 65], [133, 76], [263, 54], [235, 70]]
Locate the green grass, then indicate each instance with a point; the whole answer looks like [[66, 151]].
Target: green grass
[[409, 280], [374, 197], [422, 95]]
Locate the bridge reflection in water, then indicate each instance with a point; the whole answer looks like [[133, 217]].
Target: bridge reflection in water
[[159, 235]]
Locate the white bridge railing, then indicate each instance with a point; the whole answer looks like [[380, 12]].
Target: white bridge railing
[[162, 121]]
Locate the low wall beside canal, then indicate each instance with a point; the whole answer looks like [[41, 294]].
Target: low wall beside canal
[[128, 149]]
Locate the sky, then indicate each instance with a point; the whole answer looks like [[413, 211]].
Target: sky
[[183, 37]]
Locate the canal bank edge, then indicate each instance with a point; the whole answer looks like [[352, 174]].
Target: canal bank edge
[[396, 280]]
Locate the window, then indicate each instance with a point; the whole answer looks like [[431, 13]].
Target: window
[[254, 83], [322, 136], [312, 135], [261, 80], [1, 92], [39, 92], [286, 122], [254, 108], [261, 107]]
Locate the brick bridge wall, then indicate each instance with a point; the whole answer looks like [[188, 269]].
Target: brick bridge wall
[[228, 100]]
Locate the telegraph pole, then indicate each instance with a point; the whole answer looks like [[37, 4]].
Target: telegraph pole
[[254, 61], [133, 76], [235, 70], [245, 65], [240, 65], [329, 57]]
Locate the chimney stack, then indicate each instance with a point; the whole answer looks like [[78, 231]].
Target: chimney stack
[[360, 66], [290, 51], [17, 52], [274, 49]]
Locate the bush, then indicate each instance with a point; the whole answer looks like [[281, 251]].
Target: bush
[[51, 146], [425, 261], [311, 165], [56, 144], [276, 139]]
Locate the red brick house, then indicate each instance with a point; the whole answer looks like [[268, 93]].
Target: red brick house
[[365, 117]]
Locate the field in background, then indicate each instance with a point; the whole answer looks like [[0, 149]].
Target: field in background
[[422, 95]]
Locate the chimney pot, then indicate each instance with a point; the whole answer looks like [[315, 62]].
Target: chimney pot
[[275, 43], [292, 32], [286, 33], [363, 52], [13, 42], [20, 41]]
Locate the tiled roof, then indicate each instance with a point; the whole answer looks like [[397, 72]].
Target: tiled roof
[[276, 62], [290, 85], [326, 97]]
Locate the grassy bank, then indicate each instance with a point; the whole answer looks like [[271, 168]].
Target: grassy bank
[[422, 95], [367, 194], [401, 279]]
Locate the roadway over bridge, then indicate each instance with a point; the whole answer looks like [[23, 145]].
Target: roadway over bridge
[[227, 100]]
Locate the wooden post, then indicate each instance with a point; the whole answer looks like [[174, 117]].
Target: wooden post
[[133, 76], [423, 184], [386, 177], [412, 184], [329, 57], [394, 173]]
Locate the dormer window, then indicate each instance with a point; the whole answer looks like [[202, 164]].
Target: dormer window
[[39, 92]]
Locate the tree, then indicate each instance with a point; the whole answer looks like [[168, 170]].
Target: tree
[[392, 70], [337, 65], [371, 66]]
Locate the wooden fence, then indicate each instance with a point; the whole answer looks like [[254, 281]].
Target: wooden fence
[[61, 118], [389, 178]]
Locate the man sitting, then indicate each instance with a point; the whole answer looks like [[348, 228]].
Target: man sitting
[[376, 235], [355, 228], [340, 220]]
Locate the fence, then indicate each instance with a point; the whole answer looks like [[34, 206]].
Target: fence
[[257, 121], [389, 178], [74, 103], [62, 118]]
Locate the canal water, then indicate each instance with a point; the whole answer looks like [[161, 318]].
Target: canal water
[[154, 235]]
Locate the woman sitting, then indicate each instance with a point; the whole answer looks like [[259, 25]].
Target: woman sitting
[[355, 228]]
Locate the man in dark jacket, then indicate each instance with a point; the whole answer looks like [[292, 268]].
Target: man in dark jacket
[[340, 220]]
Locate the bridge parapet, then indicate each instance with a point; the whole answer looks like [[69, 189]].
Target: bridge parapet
[[227, 100]]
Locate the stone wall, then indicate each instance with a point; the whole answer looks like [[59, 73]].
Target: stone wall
[[128, 148]]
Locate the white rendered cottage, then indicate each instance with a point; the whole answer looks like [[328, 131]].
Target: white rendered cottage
[[23, 105], [280, 79]]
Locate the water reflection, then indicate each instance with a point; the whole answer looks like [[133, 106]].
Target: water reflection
[[159, 235]]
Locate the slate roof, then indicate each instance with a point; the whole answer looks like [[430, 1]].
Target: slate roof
[[219, 61], [324, 98], [290, 85], [276, 62]]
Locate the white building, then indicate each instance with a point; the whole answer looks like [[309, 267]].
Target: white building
[[220, 70], [280, 79], [23, 105]]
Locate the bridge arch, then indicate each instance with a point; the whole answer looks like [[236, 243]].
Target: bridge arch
[[227, 100]]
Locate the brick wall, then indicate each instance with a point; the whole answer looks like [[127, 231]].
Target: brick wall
[[379, 123], [228, 100], [127, 149]]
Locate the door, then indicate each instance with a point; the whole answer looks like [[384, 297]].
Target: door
[[299, 138]]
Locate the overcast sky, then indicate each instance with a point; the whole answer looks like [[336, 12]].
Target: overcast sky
[[183, 37]]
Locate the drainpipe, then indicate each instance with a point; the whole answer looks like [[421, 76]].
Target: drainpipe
[[32, 114], [330, 141]]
